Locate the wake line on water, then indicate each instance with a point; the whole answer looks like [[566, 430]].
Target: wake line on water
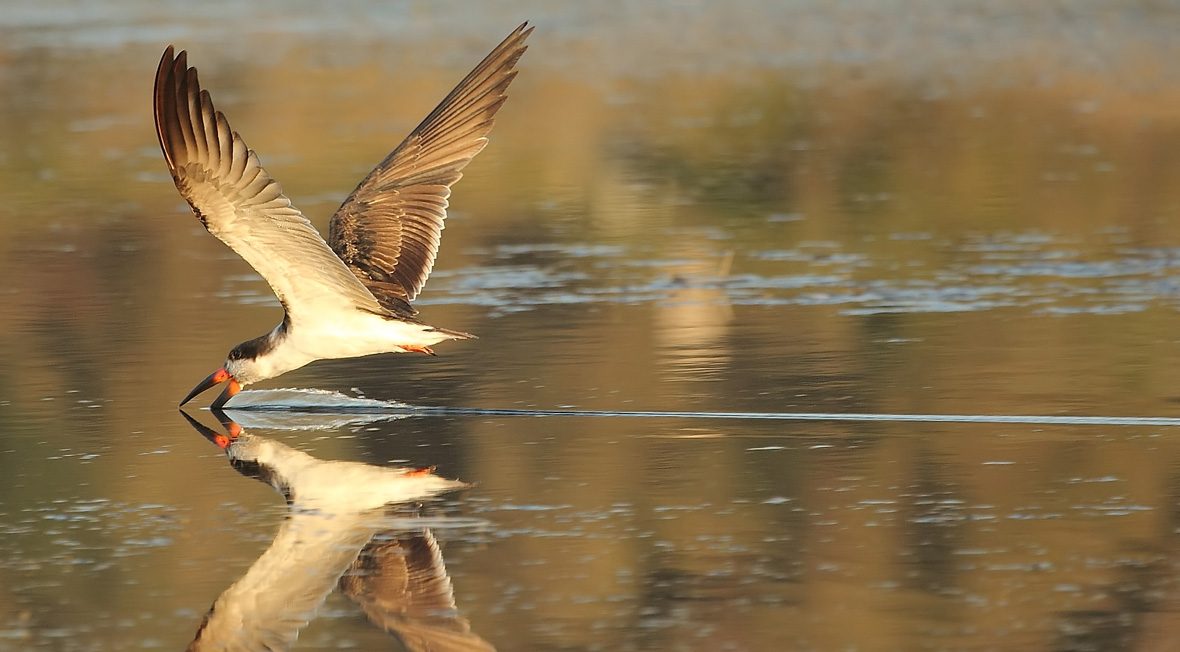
[[332, 403], [808, 416]]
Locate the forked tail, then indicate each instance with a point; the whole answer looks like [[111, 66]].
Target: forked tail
[[454, 335]]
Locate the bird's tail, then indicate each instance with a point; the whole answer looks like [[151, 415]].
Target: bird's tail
[[453, 335]]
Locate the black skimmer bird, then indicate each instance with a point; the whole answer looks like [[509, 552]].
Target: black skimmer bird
[[348, 296], [339, 532]]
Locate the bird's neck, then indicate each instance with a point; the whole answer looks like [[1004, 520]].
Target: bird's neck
[[267, 356]]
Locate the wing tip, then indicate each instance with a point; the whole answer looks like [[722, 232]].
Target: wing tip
[[456, 130], [517, 39], [165, 73]]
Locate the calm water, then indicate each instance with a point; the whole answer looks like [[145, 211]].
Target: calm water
[[864, 207]]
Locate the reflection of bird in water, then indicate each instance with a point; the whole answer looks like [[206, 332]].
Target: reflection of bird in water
[[337, 532], [349, 296], [409, 566]]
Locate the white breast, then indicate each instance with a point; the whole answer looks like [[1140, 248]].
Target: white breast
[[354, 333]]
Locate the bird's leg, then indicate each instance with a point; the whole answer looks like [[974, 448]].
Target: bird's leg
[[420, 471], [417, 348]]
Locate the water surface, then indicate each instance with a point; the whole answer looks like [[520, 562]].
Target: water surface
[[861, 207]]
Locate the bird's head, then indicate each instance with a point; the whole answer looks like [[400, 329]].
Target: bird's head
[[242, 366]]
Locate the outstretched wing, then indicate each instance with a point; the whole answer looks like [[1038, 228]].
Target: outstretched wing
[[241, 204], [388, 229], [402, 584]]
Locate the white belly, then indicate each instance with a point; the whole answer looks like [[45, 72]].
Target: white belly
[[336, 334], [358, 333]]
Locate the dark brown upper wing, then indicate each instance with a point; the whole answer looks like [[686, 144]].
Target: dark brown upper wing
[[403, 587], [241, 204], [388, 229]]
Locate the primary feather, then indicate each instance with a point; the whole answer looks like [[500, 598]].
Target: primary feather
[[239, 203], [387, 231]]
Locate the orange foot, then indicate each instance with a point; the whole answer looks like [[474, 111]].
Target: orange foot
[[415, 348], [420, 471]]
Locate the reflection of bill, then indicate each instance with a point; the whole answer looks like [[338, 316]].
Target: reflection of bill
[[309, 409], [337, 532]]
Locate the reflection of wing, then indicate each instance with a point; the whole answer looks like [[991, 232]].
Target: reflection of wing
[[335, 508], [388, 229], [281, 592], [403, 587]]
